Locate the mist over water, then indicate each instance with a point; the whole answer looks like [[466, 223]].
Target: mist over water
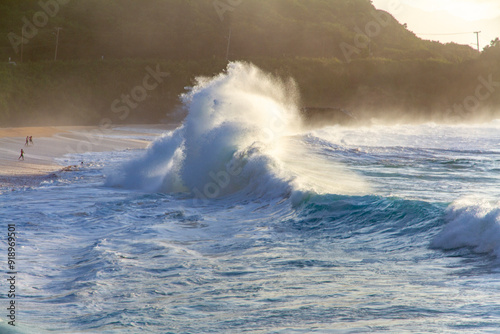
[[241, 220], [243, 131]]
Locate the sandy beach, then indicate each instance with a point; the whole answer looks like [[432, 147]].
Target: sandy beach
[[50, 143]]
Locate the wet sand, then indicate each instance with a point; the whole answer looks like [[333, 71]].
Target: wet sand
[[50, 143]]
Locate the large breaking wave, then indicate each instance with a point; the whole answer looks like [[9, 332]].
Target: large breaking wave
[[242, 133]]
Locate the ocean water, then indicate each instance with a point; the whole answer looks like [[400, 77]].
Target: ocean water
[[243, 221]]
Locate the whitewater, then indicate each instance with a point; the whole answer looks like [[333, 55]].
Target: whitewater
[[243, 219]]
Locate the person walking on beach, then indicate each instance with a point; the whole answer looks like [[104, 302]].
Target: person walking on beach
[[31, 140], [27, 141], [22, 155]]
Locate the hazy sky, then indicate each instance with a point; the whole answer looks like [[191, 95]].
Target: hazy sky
[[448, 20]]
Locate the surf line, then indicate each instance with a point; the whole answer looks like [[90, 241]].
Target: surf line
[[11, 272]]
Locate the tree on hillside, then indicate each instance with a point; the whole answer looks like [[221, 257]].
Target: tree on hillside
[[493, 44], [197, 29], [492, 51]]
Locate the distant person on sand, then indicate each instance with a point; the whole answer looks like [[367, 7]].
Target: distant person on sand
[[31, 140], [27, 141], [22, 155]]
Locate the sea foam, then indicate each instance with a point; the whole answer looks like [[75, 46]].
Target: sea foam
[[242, 133], [472, 223]]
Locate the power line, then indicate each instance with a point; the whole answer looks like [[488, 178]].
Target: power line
[[448, 34], [457, 33]]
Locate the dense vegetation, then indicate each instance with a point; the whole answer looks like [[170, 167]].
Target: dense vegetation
[[198, 29], [341, 53]]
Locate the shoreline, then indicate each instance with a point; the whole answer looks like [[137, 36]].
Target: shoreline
[[54, 142]]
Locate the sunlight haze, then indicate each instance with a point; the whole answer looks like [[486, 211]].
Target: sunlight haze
[[448, 20], [467, 9]]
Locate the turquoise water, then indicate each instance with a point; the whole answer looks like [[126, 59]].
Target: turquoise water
[[241, 221], [410, 256]]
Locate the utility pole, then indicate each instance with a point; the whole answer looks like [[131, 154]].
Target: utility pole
[[228, 44], [477, 36], [22, 43], [57, 42]]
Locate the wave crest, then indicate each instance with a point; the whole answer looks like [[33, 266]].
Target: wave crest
[[241, 134], [471, 223]]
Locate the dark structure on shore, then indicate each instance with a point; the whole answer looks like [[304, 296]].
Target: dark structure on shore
[[328, 116]]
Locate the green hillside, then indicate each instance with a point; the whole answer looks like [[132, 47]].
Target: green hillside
[[198, 29], [342, 53]]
